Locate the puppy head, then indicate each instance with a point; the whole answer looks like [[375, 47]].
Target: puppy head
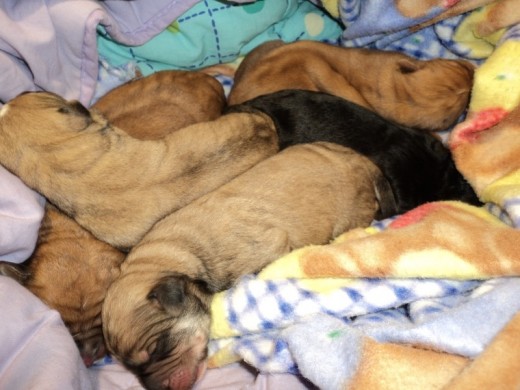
[[41, 118], [439, 88], [157, 325]]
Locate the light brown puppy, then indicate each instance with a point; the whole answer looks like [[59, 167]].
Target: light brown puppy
[[429, 95], [113, 184], [70, 269], [165, 101], [156, 314]]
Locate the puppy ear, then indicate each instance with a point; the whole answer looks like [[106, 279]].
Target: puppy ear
[[79, 115], [409, 65], [169, 294], [14, 271]]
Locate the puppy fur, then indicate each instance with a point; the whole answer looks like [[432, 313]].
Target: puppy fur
[[166, 101], [70, 269], [306, 194], [417, 165], [112, 184], [429, 95]]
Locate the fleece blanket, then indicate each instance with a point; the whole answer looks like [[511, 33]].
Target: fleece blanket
[[428, 299]]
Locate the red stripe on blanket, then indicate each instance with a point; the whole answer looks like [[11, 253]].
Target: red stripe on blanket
[[469, 130], [415, 215]]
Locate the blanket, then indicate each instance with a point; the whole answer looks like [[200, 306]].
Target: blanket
[[428, 299]]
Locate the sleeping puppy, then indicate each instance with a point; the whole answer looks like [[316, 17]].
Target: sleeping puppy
[[70, 271], [416, 164], [156, 315], [165, 101], [428, 95], [113, 184]]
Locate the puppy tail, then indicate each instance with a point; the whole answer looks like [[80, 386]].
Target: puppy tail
[[385, 198]]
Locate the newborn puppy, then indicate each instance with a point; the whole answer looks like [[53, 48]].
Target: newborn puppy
[[113, 184], [156, 315], [169, 100], [70, 270], [416, 164], [429, 95]]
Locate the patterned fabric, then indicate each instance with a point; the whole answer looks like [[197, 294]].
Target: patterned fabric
[[222, 33], [259, 310], [396, 28], [427, 290]]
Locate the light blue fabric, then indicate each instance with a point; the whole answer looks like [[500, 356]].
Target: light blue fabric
[[263, 312], [213, 32], [462, 319]]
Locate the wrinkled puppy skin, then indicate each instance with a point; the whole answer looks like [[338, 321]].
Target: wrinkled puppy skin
[[153, 106], [113, 184], [156, 314], [429, 95], [70, 270]]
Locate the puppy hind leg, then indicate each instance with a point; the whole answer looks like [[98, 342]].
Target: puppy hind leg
[[275, 242]]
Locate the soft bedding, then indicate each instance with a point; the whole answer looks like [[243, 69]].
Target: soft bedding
[[429, 299]]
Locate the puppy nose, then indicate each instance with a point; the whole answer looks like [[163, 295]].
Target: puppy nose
[[88, 361]]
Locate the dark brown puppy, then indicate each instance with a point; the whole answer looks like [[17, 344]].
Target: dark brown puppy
[[113, 184], [417, 165], [429, 95], [156, 314]]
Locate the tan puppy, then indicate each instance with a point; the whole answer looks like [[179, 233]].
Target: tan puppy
[[70, 271], [112, 184], [429, 95], [165, 101], [156, 314]]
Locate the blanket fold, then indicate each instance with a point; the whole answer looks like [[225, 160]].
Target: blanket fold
[[423, 300]]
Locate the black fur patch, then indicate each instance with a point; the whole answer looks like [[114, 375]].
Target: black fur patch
[[417, 165]]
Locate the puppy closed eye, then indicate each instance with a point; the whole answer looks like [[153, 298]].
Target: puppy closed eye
[[406, 66], [80, 116]]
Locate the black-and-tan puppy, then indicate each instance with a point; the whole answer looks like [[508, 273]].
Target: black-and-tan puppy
[[156, 314], [417, 165]]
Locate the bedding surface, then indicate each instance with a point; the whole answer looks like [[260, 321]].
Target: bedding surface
[[373, 303]]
